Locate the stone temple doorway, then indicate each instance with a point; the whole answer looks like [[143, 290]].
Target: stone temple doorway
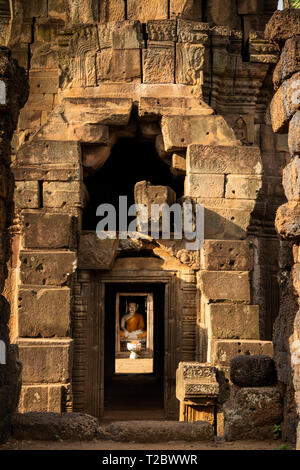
[[134, 388], [154, 273]]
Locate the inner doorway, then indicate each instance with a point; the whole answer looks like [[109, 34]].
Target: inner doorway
[[134, 388]]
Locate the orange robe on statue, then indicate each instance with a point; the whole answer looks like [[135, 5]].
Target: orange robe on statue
[[135, 323]]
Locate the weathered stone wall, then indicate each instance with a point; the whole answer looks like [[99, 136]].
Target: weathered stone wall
[[284, 29], [12, 97], [99, 74]]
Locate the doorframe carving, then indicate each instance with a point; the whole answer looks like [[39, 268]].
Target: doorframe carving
[[89, 329]]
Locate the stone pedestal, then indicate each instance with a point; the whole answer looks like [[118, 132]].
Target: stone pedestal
[[197, 390]]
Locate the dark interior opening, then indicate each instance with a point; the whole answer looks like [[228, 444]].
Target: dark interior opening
[[134, 396], [131, 161]]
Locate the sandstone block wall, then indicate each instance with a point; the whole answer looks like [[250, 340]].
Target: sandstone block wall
[[96, 75]]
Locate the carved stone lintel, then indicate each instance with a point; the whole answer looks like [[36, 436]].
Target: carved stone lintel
[[161, 30], [176, 248], [192, 31]]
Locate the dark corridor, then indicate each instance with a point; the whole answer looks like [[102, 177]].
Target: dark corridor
[[134, 396]]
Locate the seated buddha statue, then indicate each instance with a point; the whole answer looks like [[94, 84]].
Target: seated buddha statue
[[132, 324]]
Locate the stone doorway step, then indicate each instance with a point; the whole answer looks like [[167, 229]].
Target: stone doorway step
[[81, 427], [156, 431]]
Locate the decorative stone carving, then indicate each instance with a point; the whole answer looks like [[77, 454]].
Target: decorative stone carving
[[161, 30], [195, 382], [190, 258], [189, 63], [158, 65]]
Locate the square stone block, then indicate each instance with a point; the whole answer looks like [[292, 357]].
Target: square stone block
[[45, 230], [47, 268], [226, 286], [194, 32], [243, 187], [119, 65], [158, 65], [27, 195], [252, 413], [44, 312], [222, 351], [45, 360], [108, 111], [190, 61], [225, 223], [233, 321], [181, 131], [41, 398], [240, 160], [40, 84], [30, 119], [226, 255], [41, 101], [196, 382], [95, 253], [204, 186], [62, 195]]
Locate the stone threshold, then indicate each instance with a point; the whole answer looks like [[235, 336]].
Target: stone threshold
[[82, 427]]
